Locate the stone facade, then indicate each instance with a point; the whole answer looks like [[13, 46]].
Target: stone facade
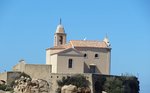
[[34, 70], [63, 58], [9, 76], [53, 77]]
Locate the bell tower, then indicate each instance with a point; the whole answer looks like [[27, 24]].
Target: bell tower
[[60, 35]]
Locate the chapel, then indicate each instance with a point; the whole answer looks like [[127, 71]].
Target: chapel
[[78, 56]]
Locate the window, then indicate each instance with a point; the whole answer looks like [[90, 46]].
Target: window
[[85, 55], [70, 63], [61, 40], [96, 55], [55, 39]]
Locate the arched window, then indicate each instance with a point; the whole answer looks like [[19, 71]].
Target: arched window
[[96, 55], [61, 40], [70, 63]]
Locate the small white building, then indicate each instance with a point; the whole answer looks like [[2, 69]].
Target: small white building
[[78, 56]]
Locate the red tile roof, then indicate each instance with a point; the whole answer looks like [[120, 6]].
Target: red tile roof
[[88, 43], [82, 43]]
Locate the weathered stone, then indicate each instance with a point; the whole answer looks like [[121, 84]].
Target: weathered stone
[[69, 89], [74, 89], [26, 85], [84, 90], [2, 82], [2, 91]]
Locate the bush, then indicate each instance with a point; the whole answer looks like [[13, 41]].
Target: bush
[[77, 80], [5, 88], [122, 84], [12, 84]]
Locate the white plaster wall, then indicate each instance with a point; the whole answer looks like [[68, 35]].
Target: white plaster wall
[[38, 71], [102, 62], [3, 76], [19, 67], [48, 56], [72, 53], [54, 63], [77, 66], [9, 76], [108, 64]]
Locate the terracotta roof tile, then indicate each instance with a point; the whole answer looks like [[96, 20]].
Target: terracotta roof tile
[[88, 43], [82, 43]]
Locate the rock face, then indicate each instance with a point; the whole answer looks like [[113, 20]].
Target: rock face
[[84, 90], [74, 89], [2, 91], [26, 85], [69, 89], [2, 82]]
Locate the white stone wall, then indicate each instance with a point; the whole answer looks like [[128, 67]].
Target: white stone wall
[[54, 63], [81, 64], [34, 70], [48, 56], [19, 67], [38, 71], [3, 76], [77, 64], [102, 62], [9, 76], [53, 77]]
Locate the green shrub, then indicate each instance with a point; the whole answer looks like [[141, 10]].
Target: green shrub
[[77, 80], [3, 87], [22, 74], [122, 84]]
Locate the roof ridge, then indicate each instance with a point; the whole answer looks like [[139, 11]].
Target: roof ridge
[[86, 40]]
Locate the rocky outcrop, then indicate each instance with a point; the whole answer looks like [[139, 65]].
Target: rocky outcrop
[[2, 86], [26, 85], [73, 89], [2, 82], [1, 91], [69, 89], [84, 90], [5, 91]]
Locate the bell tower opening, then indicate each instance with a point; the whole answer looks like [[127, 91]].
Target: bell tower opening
[[60, 35], [61, 40]]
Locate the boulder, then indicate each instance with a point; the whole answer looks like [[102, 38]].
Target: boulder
[[84, 90], [26, 85], [69, 89], [1, 91], [73, 89], [2, 82]]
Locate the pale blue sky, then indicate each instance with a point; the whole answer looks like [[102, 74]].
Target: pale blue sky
[[27, 28]]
